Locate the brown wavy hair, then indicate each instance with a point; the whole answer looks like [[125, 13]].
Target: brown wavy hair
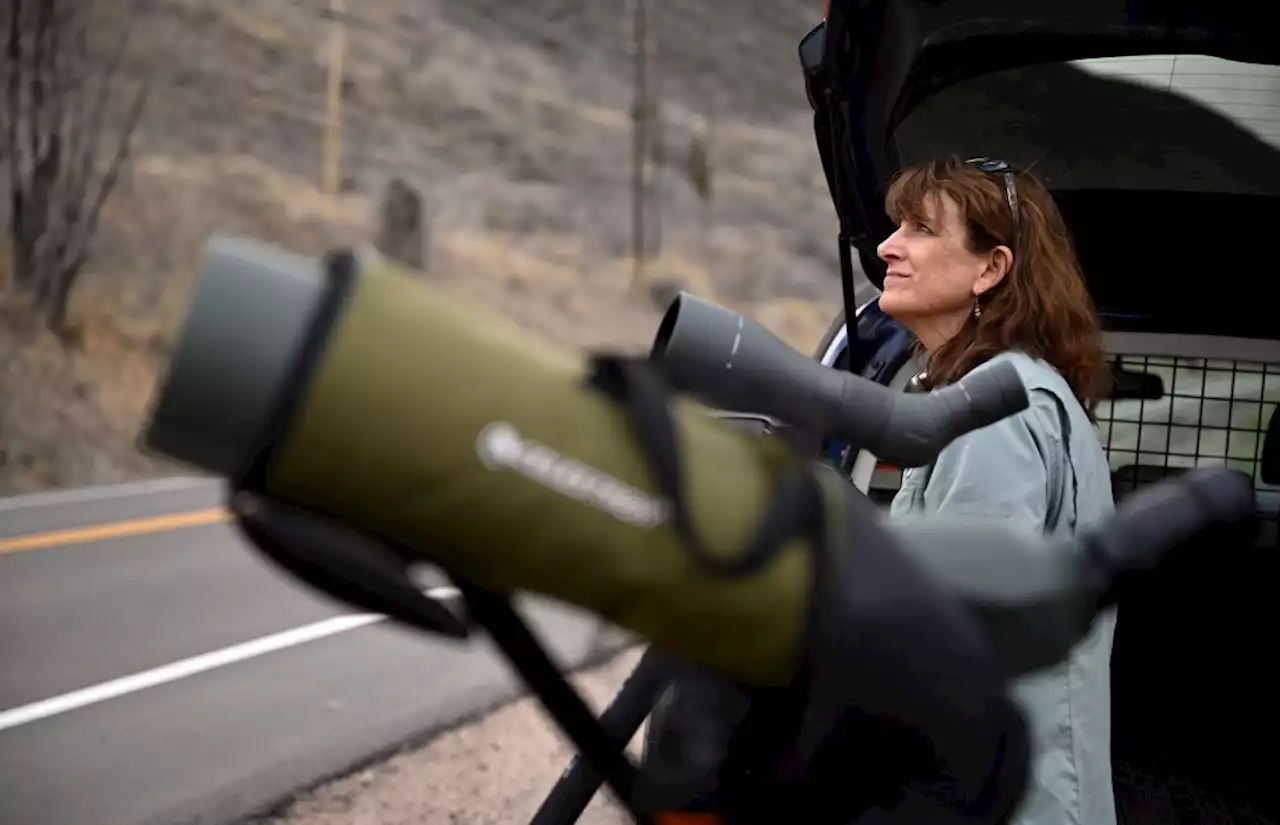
[[1042, 305]]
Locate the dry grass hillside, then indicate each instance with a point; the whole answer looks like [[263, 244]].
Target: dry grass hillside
[[513, 121]]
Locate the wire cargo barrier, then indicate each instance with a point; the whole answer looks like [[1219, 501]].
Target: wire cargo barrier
[[1211, 413], [1190, 685]]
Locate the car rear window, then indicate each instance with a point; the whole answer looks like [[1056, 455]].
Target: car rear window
[[1247, 94], [1188, 123]]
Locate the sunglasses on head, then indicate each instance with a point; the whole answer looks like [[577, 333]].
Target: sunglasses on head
[[1000, 167]]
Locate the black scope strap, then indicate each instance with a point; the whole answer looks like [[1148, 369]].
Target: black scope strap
[[794, 507]]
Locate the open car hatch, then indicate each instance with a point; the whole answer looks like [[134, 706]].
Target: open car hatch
[[1155, 124]]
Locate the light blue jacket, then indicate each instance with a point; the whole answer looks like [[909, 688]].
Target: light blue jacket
[[1045, 467]]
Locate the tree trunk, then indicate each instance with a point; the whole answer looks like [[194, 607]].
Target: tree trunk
[[55, 109], [640, 137]]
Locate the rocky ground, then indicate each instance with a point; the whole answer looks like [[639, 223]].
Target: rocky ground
[[494, 772]]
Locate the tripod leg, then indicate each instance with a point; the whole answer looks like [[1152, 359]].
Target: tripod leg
[[624, 716]]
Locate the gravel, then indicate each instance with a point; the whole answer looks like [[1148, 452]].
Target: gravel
[[497, 770]]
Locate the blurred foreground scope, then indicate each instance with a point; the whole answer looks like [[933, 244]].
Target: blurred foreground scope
[[732, 362]]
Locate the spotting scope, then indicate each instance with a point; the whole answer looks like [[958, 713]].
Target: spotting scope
[[734, 363], [352, 395]]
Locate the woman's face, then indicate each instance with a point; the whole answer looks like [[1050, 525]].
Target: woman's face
[[933, 279]]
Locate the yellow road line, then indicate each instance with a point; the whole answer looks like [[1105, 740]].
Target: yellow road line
[[115, 530]]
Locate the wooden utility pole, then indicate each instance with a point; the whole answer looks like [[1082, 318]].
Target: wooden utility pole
[[333, 125], [640, 137], [655, 132]]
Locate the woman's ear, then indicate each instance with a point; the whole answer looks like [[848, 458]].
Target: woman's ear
[[998, 266]]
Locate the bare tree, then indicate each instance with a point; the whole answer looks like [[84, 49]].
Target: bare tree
[[58, 97]]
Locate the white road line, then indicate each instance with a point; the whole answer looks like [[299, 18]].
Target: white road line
[[174, 671], [80, 495]]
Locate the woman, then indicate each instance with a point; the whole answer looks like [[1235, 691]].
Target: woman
[[982, 269]]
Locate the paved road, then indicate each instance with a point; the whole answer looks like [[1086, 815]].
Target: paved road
[[153, 670]]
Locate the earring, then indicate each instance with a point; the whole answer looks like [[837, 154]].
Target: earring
[[977, 310]]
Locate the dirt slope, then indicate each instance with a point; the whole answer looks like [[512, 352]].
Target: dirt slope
[[512, 118]]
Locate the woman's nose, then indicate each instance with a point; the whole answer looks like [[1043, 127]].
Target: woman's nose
[[889, 248]]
